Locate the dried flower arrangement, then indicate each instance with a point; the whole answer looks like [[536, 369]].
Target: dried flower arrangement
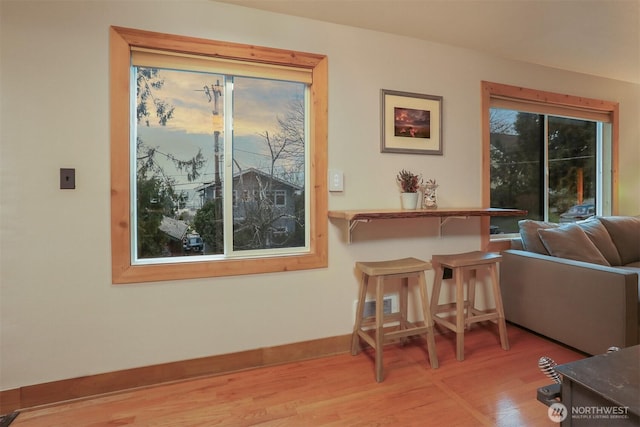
[[409, 182]]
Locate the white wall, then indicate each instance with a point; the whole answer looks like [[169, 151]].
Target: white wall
[[60, 315]]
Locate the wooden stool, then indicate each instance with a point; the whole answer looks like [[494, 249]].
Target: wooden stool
[[466, 312], [400, 268]]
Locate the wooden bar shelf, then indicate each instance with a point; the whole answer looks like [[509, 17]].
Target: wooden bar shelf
[[355, 217]]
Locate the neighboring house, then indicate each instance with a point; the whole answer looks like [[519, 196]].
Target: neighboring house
[[256, 191]]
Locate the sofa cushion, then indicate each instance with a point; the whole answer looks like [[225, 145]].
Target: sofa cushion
[[571, 242], [516, 243], [625, 233], [598, 234], [529, 235]]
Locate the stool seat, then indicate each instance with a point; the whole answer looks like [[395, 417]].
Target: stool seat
[[465, 311], [404, 269], [467, 259], [397, 266]]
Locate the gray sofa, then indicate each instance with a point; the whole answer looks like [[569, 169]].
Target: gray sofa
[[577, 283]]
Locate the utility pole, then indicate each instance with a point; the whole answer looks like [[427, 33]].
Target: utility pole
[[218, 182], [213, 93]]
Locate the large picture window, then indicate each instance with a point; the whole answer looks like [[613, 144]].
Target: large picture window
[[550, 154], [226, 152]]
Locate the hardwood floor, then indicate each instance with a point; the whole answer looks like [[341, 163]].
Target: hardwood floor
[[491, 387]]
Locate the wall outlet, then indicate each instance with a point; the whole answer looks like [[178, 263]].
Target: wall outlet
[[390, 305]]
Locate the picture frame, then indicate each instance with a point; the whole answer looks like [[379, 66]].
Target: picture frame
[[411, 123]]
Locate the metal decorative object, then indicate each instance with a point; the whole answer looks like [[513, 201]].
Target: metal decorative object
[[547, 366], [430, 199]]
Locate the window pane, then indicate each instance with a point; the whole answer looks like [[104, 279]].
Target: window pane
[[179, 148], [572, 169], [268, 163], [518, 164], [517, 150]]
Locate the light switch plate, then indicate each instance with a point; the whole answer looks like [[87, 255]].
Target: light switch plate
[[67, 179], [336, 180]]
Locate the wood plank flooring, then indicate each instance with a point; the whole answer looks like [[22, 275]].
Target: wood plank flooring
[[491, 387]]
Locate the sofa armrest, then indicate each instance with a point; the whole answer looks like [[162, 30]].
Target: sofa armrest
[[586, 306]]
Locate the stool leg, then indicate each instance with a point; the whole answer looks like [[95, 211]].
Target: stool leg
[[471, 296], [502, 326], [459, 314], [428, 321], [357, 325], [404, 303], [437, 284], [379, 326]]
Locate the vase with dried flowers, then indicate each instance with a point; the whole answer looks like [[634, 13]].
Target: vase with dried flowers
[[409, 184]]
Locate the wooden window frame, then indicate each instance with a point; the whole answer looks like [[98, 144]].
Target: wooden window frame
[[123, 271], [555, 102]]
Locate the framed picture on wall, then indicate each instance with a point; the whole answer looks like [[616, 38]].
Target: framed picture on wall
[[411, 123]]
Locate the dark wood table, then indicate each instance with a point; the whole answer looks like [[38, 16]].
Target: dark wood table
[[357, 216], [602, 390]]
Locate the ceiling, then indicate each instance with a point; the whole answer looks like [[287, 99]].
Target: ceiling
[[598, 37]]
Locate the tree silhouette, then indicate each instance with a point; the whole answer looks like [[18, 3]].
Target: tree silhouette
[[287, 145], [208, 222]]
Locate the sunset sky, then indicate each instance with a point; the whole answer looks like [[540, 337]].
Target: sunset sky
[[410, 116]]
